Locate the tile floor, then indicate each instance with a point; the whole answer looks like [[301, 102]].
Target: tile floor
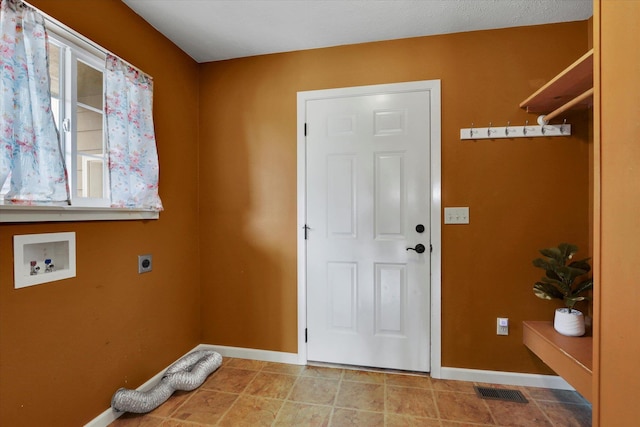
[[254, 393]]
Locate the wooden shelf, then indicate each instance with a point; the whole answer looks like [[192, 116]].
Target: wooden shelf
[[572, 88], [569, 357]]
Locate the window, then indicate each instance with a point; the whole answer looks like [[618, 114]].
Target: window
[[89, 89], [77, 96]]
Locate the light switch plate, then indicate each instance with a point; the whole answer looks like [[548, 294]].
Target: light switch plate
[[458, 215]]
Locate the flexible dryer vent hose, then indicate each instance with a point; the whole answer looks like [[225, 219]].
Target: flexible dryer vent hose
[[188, 373]]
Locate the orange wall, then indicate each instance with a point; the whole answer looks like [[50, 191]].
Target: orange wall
[[67, 346], [523, 194], [617, 247]]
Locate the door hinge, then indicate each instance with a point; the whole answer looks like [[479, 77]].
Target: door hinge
[[430, 247], [306, 231], [305, 129], [306, 336]]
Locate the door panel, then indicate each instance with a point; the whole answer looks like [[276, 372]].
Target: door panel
[[389, 196], [367, 188]]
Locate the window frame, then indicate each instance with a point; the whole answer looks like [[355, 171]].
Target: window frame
[[70, 56], [77, 49]]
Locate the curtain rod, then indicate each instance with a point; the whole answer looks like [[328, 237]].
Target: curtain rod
[[62, 27]]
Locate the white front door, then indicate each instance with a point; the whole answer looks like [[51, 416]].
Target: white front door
[[368, 208]]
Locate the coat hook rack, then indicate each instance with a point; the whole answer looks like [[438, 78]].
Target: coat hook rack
[[522, 131]]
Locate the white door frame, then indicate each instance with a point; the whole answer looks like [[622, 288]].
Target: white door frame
[[433, 86]]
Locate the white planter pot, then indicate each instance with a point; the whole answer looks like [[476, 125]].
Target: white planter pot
[[569, 322]]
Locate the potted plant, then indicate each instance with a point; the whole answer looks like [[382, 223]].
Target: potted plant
[[565, 280]]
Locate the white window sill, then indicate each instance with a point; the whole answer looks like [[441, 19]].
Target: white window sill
[[20, 213]]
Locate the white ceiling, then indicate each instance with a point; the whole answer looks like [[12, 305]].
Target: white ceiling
[[212, 30]]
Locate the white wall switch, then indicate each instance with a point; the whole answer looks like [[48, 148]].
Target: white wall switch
[[456, 215]]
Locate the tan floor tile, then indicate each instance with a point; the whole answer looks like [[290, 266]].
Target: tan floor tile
[[251, 411], [517, 414], [465, 407], [322, 372], [229, 379], [452, 385], [170, 405], [463, 424], [364, 376], [267, 384], [302, 414], [351, 417], [394, 420], [567, 414], [252, 365], [321, 391], [282, 368], [178, 423], [410, 401], [363, 396], [420, 381], [554, 395], [205, 407]]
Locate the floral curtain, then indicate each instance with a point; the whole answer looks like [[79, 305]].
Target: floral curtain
[[29, 142], [131, 144]]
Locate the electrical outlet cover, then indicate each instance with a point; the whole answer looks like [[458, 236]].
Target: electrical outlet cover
[[502, 326], [145, 263]]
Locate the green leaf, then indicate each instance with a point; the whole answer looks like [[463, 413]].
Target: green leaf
[[558, 284], [546, 291], [570, 302], [555, 282], [567, 250], [553, 253], [544, 264], [551, 274], [569, 274], [583, 264], [583, 287]]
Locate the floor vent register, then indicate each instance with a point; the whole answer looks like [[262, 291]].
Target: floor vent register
[[500, 394]]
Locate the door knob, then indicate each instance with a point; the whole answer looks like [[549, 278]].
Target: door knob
[[419, 248]]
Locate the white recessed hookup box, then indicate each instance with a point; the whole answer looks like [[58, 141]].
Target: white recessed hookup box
[[42, 258]]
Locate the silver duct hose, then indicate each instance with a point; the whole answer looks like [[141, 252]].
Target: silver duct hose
[[188, 373]]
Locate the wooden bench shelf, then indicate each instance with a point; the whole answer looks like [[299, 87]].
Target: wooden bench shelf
[[571, 89], [569, 357]]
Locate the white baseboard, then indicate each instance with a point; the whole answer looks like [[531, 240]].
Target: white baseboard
[[505, 378], [104, 419], [253, 354]]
